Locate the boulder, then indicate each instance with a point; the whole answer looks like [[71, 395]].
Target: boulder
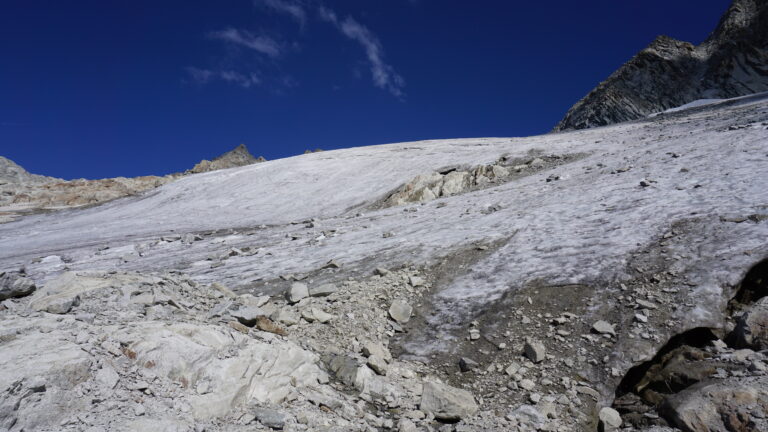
[[247, 315], [446, 402], [377, 364], [416, 281], [270, 418], [528, 415], [378, 350], [322, 290], [316, 314], [297, 292], [718, 406], [466, 364], [37, 373], [752, 328], [62, 293], [343, 367], [406, 425], [13, 284], [107, 377], [610, 419], [400, 311], [455, 182], [603, 327], [535, 351], [287, 317], [321, 316], [189, 354]]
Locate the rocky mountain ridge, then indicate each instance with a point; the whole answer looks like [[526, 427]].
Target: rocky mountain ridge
[[732, 61], [23, 193]]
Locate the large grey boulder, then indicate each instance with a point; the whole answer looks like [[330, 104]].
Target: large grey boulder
[[297, 292], [270, 418], [378, 350], [400, 311], [535, 351], [610, 419], [455, 182], [446, 402], [248, 315], [718, 406], [343, 367], [529, 416], [62, 293], [37, 373], [13, 284], [752, 328], [259, 372]]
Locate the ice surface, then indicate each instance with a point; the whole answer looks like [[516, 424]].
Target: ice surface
[[579, 229], [694, 104]]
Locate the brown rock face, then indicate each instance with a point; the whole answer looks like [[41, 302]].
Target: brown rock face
[[24, 193], [733, 61], [239, 156]]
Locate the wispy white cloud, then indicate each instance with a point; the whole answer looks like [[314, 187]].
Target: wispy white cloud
[[294, 9], [203, 76], [383, 74], [327, 15], [263, 44], [200, 76]]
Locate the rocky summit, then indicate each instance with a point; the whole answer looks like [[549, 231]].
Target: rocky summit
[[237, 157], [732, 61]]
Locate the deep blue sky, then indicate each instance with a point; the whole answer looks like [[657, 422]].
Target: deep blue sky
[[105, 88]]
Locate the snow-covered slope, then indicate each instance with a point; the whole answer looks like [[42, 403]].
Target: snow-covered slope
[[575, 229], [671, 211]]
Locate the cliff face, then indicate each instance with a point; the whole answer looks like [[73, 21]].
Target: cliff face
[[732, 61]]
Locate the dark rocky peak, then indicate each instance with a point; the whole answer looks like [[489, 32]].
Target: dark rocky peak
[[731, 62]]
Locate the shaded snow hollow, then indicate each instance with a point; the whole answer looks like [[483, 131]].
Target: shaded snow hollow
[[705, 163]]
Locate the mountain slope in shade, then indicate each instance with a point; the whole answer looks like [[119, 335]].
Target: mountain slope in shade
[[731, 62]]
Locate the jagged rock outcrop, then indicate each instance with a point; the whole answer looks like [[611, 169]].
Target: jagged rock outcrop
[[13, 173], [239, 156], [732, 61]]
